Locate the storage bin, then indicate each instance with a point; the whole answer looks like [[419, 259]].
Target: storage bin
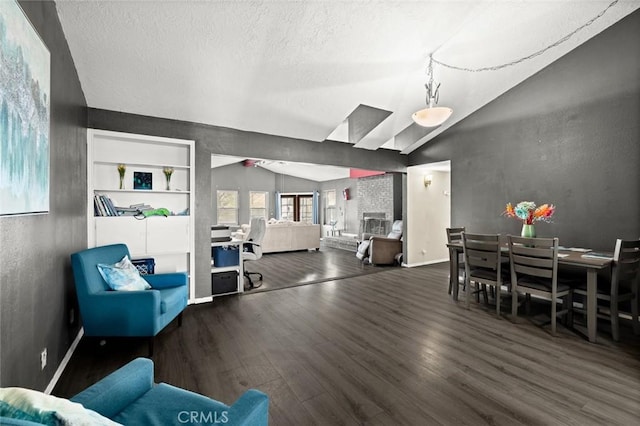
[[225, 256], [224, 282], [145, 266]]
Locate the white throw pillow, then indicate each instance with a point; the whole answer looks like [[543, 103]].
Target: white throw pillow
[[123, 276], [45, 408]]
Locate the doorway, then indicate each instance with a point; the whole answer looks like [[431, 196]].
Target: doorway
[[428, 213]]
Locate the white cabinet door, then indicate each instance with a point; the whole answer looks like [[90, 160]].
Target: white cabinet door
[[125, 230], [167, 234]]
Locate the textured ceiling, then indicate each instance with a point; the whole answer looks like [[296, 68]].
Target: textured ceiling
[[300, 68]]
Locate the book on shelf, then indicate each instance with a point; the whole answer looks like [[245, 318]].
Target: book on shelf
[[103, 206], [132, 210], [110, 206], [98, 207]]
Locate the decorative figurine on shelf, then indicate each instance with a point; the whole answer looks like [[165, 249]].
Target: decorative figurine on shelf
[[168, 171], [122, 168]]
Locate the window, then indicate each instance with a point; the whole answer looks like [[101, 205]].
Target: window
[[287, 207], [227, 207], [330, 211], [305, 208], [297, 208], [258, 204]]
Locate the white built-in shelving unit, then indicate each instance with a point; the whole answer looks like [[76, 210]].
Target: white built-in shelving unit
[[169, 240]]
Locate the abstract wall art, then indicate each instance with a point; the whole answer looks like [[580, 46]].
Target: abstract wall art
[[24, 114]]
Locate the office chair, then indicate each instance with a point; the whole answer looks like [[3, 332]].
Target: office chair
[[252, 249]]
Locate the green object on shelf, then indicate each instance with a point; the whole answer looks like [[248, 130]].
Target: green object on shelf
[[157, 212]]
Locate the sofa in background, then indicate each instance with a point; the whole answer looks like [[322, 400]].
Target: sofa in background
[[282, 236], [129, 396]]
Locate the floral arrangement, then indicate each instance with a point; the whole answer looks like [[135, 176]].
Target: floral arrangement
[[529, 213], [122, 168], [168, 171]]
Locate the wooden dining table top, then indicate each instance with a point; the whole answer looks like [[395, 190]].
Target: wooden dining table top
[[565, 257]]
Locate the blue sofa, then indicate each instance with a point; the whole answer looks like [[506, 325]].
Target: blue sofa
[[107, 313], [129, 396]]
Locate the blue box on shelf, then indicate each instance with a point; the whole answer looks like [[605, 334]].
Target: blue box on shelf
[[225, 256], [145, 266]]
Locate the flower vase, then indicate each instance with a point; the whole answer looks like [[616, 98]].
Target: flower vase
[[168, 182], [528, 231], [121, 182]]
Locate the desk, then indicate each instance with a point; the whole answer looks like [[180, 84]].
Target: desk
[[592, 266], [237, 268]]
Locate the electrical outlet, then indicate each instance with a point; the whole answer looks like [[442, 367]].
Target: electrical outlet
[[43, 359]]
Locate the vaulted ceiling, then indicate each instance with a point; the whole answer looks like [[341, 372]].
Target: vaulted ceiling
[[352, 71]]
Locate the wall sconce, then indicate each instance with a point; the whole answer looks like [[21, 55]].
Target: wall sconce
[[427, 180]]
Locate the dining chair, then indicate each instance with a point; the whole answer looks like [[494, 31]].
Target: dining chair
[[483, 265], [534, 271], [454, 235], [622, 287]]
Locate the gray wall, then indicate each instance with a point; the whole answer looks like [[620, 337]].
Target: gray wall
[[244, 179], [286, 183], [570, 135], [36, 284], [347, 209]]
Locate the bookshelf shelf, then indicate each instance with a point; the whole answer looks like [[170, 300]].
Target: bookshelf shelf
[[142, 191], [115, 164]]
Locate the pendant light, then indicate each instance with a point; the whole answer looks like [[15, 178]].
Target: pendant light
[[432, 116]]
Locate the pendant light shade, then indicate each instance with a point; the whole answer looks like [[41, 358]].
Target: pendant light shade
[[432, 117]]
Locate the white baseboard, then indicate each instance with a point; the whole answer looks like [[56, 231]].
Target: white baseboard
[[200, 300], [63, 364], [429, 262]]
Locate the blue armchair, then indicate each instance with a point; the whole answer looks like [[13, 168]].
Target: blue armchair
[[129, 396], [107, 313]]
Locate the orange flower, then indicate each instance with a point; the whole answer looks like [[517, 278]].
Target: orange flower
[[544, 211], [509, 211]]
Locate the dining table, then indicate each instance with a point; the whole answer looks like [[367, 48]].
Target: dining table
[[566, 257]]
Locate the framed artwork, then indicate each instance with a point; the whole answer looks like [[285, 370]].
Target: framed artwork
[[25, 80], [142, 180]]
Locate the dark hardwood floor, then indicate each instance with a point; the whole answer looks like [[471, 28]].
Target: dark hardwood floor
[[388, 348], [289, 269]]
